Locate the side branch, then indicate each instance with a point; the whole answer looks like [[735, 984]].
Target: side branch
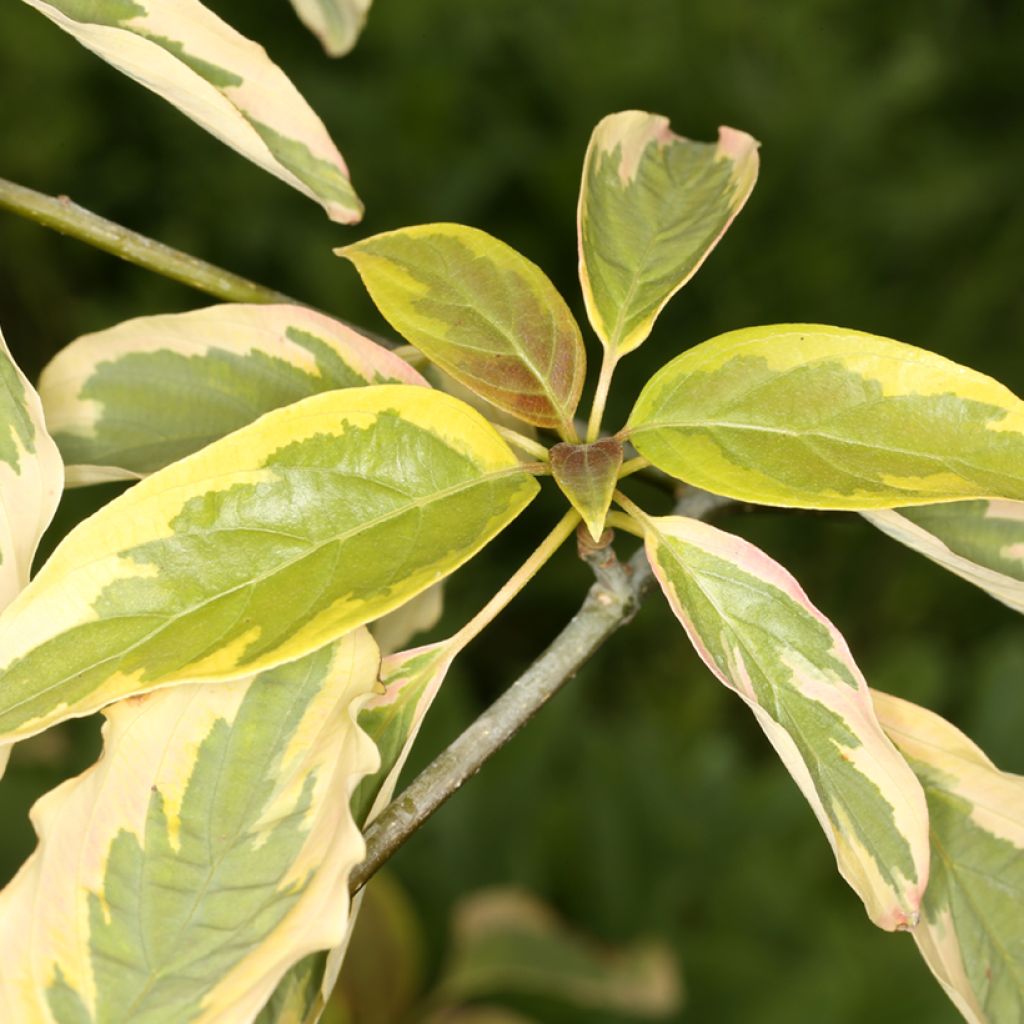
[[61, 214], [611, 602]]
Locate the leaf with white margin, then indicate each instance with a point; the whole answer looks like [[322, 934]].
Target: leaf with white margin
[[756, 630], [258, 549], [223, 81], [132, 399], [336, 23], [971, 932], [205, 853], [652, 207], [981, 541], [811, 416], [31, 476], [392, 719]]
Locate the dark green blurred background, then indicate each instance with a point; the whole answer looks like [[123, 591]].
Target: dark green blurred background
[[643, 801]]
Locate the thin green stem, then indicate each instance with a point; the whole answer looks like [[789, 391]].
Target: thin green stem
[[635, 512], [624, 521], [547, 547], [631, 466], [604, 382], [612, 601], [524, 444]]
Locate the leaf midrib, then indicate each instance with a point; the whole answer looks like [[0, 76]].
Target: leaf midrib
[[168, 622]]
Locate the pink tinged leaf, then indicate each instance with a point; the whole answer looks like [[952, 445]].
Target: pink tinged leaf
[[971, 932], [483, 313], [392, 719], [586, 474], [756, 630]]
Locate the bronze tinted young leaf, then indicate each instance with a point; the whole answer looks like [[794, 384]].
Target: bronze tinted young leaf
[[586, 474], [482, 312]]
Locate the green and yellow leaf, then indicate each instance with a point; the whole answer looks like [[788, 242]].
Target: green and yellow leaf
[[972, 927], [508, 942], [205, 853], [130, 400], [586, 475], [31, 477], [810, 416], [411, 680], [759, 634], [226, 83], [336, 23], [483, 313], [258, 549], [980, 541], [652, 207]]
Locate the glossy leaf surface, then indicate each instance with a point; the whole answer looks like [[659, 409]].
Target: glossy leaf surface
[[224, 82], [652, 207], [208, 850], [759, 634], [822, 417], [258, 549], [972, 930], [31, 477], [586, 475], [132, 399], [980, 541], [483, 313], [336, 23]]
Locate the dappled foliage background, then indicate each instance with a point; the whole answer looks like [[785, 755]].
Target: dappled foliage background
[[643, 801]]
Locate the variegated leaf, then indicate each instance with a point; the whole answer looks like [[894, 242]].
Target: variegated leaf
[[224, 82], [31, 477], [204, 854], [652, 207], [336, 23], [127, 401], [298, 991], [586, 475], [483, 313], [392, 719], [972, 930], [759, 634], [256, 550], [31, 481], [980, 541], [822, 417]]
